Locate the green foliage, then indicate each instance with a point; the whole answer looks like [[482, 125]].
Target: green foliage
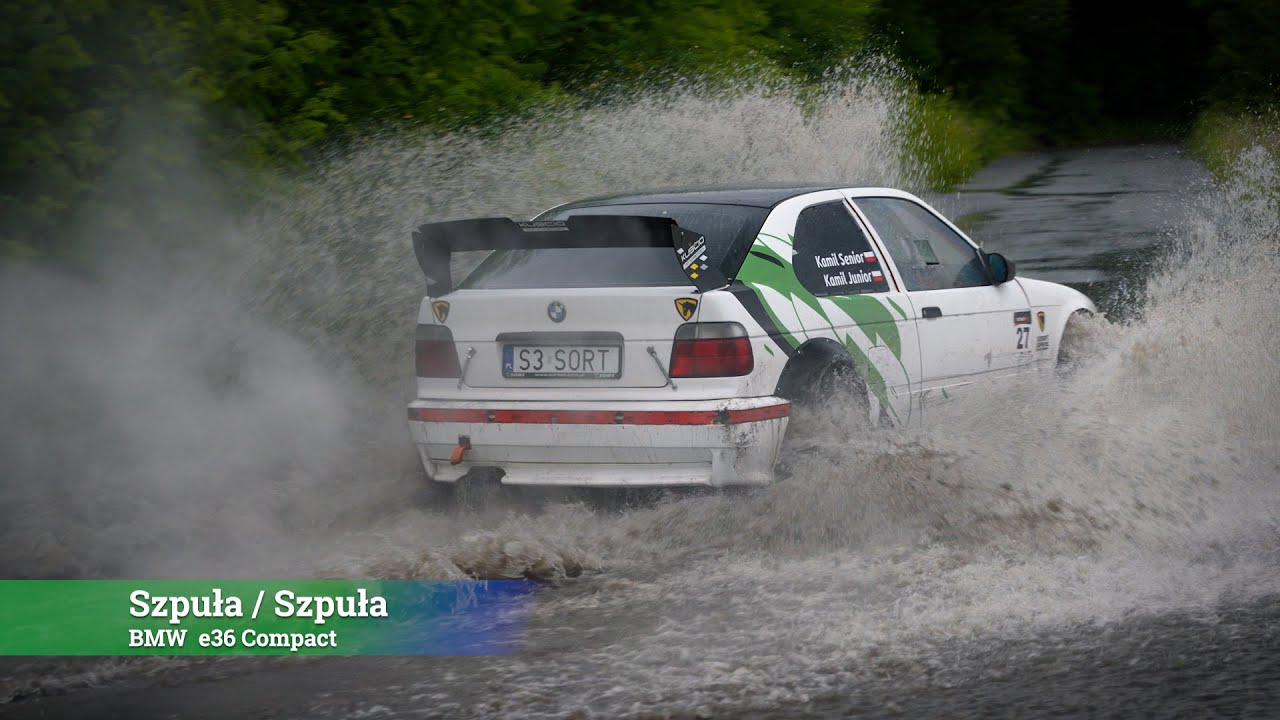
[[264, 84], [261, 79], [618, 40], [991, 55], [951, 142], [1065, 70], [1246, 50], [53, 108], [808, 38], [440, 63], [1221, 135]]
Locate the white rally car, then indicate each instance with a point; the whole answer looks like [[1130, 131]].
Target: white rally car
[[663, 338]]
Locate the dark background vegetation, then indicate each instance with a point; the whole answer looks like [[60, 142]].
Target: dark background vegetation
[[256, 86]]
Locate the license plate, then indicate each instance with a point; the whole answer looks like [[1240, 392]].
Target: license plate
[[602, 362]]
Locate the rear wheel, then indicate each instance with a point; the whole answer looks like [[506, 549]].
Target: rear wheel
[[838, 393], [832, 397]]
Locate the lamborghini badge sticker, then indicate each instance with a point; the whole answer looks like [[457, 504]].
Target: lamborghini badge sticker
[[1040, 320], [441, 309], [685, 306]]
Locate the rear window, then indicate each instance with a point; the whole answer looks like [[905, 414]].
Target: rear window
[[729, 229]]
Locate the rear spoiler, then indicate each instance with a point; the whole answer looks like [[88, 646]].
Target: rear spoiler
[[435, 242]]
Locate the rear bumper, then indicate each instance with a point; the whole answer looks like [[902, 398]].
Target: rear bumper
[[704, 442]]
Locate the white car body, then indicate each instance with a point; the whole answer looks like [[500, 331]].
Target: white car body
[[856, 299]]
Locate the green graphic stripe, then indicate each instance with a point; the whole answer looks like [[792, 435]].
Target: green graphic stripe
[[895, 307], [872, 318], [875, 381], [867, 313]]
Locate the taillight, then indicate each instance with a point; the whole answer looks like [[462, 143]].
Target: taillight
[[713, 349], [434, 353]]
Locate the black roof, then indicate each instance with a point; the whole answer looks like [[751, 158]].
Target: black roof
[[757, 196]]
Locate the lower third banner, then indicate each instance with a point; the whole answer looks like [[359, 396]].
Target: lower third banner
[[274, 617]]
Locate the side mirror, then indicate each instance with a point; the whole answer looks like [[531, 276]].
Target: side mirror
[[1002, 270]]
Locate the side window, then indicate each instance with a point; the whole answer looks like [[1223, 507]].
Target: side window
[[831, 254], [929, 255]]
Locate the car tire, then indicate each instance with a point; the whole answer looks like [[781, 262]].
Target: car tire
[[831, 393], [1073, 346], [837, 390]]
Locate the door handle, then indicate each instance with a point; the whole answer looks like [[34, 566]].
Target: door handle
[[930, 312]]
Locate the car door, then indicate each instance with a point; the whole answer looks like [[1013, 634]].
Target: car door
[[970, 329], [841, 292]]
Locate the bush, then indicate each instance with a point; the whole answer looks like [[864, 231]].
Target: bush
[[1221, 134], [950, 142]]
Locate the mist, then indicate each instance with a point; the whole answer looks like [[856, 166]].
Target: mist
[[219, 388], [155, 421], [230, 403]]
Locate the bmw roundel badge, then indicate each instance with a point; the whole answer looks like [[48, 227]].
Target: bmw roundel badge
[[556, 311]]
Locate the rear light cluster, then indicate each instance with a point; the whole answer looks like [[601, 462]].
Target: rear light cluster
[[712, 349], [434, 353]]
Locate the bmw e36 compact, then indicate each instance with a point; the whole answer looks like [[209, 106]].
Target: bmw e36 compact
[[666, 338]]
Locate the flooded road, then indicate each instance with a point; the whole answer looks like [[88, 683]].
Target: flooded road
[[1096, 219], [1105, 545]]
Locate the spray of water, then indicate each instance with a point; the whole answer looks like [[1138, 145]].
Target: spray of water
[[234, 405], [251, 423], [1144, 482], [344, 231]]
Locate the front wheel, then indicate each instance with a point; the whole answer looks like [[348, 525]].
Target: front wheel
[[1074, 347]]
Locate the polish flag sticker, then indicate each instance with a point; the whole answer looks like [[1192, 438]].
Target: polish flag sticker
[[868, 257], [877, 276]]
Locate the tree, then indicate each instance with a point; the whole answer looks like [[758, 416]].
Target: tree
[[1245, 56]]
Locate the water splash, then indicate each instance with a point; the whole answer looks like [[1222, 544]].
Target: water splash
[[344, 231], [1144, 481], [237, 406]]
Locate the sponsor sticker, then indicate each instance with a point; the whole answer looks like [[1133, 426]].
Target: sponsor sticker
[[441, 310], [856, 274], [1042, 342], [842, 259], [544, 225], [694, 258], [697, 250], [685, 306], [1022, 317], [852, 277], [1040, 320]]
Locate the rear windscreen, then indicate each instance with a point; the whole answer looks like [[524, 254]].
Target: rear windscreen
[[729, 230]]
